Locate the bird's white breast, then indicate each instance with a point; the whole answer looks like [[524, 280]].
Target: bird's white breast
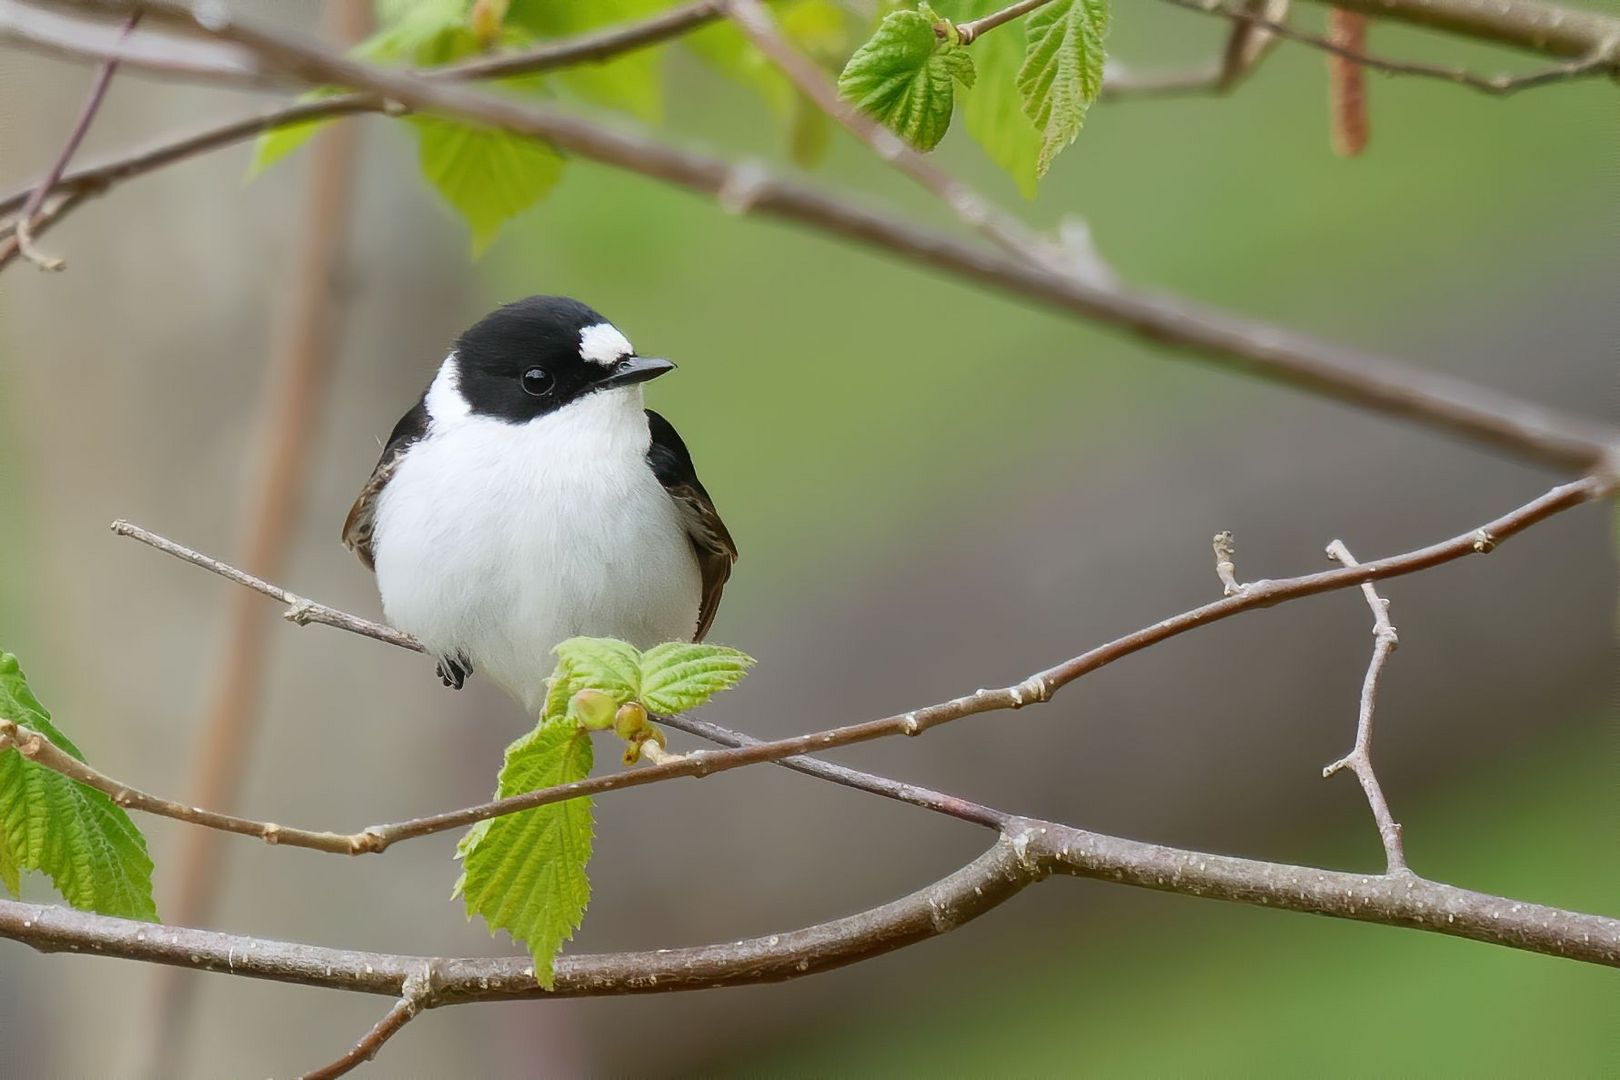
[[498, 540]]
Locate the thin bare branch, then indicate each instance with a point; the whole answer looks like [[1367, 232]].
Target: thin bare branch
[[1359, 760], [66, 35], [1248, 43], [36, 747], [25, 220], [1530, 25], [1598, 58], [593, 47], [192, 58], [299, 610], [969, 32], [1037, 688], [1349, 375], [414, 994]]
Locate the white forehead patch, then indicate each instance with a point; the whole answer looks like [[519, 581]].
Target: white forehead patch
[[445, 403], [603, 344]]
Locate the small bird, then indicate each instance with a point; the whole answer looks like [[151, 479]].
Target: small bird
[[530, 496]]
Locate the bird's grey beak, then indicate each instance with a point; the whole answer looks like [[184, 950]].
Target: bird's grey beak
[[635, 369]]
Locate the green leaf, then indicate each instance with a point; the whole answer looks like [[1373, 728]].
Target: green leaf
[[905, 76], [993, 111], [630, 81], [525, 872], [75, 835], [1062, 72], [587, 663], [681, 675], [488, 175]]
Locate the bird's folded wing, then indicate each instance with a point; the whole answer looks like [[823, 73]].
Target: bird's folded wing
[[711, 542], [357, 527]]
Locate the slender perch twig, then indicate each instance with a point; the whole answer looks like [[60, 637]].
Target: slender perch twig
[[1037, 688], [1359, 760], [299, 610], [969, 32], [1248, 44]]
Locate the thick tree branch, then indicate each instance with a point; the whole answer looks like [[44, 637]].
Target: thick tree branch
[[1348, 375], [1037, 688], [1026, 852]]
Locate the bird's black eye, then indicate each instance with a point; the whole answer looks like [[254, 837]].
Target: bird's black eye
[[537, 381]]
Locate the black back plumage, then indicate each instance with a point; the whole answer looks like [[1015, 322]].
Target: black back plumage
[[711, 541]]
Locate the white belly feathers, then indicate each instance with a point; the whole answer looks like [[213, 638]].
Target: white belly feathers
[[497, 540]]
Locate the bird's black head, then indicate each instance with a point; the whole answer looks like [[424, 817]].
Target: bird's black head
[[534, 356]]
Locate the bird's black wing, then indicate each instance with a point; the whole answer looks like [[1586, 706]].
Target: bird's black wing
[[363, 514], [712, 544]]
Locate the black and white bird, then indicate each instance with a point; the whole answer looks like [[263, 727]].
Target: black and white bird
[[529, 497]]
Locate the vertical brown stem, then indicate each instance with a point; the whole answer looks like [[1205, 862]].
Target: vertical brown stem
[[296, 384], [1347, 83]]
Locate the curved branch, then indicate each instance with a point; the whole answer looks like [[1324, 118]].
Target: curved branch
[[1363, 379], [1529, 25], [1027, 852], [1037, 688], [982, 884], [1600, 59]]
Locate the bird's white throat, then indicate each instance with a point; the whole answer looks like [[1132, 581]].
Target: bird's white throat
[[496, 540]]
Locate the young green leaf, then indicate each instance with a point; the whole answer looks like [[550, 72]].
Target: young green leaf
[[993, 111], [606, 664], [680, 675], [1062, 72], [487, 175], [525, 872], [905, 76], [75, 835]]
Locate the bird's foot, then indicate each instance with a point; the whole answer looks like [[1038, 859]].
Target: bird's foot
[[454, 671]]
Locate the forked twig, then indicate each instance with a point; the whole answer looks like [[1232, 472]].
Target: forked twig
[[1359, 759], [23, 235]]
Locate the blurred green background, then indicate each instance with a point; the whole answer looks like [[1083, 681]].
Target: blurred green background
[[934, 489]]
